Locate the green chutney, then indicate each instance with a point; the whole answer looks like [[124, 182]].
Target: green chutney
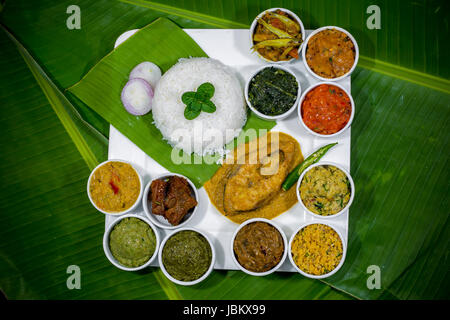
[[132, 242], [187, 255]]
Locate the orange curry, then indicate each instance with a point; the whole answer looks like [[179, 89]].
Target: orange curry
[[326, 109], [330, 53]]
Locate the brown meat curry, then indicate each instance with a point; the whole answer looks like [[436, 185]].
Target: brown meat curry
[[173, 199]]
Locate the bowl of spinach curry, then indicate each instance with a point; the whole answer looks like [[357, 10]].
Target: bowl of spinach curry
[[272, 92], [187, 256]]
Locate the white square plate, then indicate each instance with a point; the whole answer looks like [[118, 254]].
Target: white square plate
[[232, 47]]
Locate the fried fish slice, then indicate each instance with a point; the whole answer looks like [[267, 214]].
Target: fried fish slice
[[251, 187]]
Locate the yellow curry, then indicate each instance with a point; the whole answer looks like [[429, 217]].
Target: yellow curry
[[114, 186]]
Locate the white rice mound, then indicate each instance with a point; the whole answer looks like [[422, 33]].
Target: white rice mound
[[209, 132]]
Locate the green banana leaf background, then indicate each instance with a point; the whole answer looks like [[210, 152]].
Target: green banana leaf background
[[50, 140]]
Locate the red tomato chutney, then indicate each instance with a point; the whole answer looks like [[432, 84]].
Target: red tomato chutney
[[326, 109]]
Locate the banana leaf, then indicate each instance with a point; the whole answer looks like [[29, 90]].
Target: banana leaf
[[99, 280], [58, 227], [100, 90], [400, 143]]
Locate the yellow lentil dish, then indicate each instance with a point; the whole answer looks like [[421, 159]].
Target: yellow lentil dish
[[114, 187], [330, 53], [325, 190], [317, 249]]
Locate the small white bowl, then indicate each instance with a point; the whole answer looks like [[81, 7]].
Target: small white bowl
[[159, 220], [305, 47], [302, 98], [138, 200], [108, 251], [284, 243], [352, 186], [326, 275], [280, 116], [255, 23], [204, 276]]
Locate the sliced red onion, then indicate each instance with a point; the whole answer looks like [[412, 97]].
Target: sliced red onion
[[148, 71], [137, 96]]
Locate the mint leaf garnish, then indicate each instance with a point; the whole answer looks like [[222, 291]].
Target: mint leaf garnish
[[198, 101]]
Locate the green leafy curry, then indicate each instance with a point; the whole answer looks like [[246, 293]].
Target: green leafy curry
[[273, 91], [187, 255], [132, 242]]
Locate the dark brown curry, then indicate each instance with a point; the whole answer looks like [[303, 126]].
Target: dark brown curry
[[258, 247]]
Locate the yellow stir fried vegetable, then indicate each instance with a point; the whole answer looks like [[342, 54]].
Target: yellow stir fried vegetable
[[277, 36], [317, 249]]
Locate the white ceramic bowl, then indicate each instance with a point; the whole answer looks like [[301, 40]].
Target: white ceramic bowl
[[204, 276], [305, 47], [326, 275], [352, 186], [108, 251], [262, 115], [159, 220], [284, 242], [255, 22], [302, 98], [138, 200]]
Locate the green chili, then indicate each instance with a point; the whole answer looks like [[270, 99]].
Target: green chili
[[313, 158]]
